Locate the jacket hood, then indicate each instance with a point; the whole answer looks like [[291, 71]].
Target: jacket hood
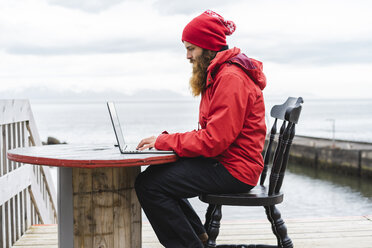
[[253, 68]]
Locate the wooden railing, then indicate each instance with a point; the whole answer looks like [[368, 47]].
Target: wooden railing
[[27, 193]]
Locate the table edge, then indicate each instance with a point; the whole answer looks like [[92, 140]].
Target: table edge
[[91, 163]]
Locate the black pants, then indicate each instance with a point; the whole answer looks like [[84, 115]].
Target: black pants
[[163, 191]]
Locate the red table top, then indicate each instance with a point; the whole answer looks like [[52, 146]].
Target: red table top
[[85, 156]]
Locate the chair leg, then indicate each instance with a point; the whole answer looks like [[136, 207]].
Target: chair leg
[[212, 224], [208, 216], [278, 227]]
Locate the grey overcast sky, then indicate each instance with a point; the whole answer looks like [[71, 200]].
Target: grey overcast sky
[[317, 48]]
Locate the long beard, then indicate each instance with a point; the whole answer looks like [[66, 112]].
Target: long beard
[[199, 71]]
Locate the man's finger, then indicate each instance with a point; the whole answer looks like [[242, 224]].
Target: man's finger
[[146, 147], [142, 143], [149, 140]]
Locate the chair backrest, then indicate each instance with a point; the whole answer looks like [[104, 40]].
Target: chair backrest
[[289, 112]]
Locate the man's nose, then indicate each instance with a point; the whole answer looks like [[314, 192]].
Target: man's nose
[[188, 55]]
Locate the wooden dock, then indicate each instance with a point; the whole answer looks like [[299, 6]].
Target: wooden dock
[[341, 232], [341, 156]]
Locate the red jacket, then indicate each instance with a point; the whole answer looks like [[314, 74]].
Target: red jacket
[[231, 116]]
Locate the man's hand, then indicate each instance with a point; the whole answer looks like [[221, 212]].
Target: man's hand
[[147, 143]]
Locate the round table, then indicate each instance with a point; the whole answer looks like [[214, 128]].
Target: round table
[[97, 203]]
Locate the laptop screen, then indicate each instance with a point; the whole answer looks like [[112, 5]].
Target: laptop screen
[[116, 125]]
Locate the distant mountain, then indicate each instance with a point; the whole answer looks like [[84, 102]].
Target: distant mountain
[[48, 94], [44, 93]]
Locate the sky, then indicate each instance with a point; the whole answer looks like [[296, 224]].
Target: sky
[[315, 48]]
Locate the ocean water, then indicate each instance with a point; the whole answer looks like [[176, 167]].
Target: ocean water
[[309, 193], [88, 122]]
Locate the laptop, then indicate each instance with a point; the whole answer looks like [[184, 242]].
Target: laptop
[[123, 147]]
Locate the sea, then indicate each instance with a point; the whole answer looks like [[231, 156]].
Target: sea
[[308, 193]]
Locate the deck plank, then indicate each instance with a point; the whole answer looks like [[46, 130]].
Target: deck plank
[[355, 231]]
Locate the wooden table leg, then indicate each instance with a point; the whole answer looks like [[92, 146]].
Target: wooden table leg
[[106, 212]]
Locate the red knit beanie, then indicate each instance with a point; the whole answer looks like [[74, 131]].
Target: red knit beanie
[[208, 31]]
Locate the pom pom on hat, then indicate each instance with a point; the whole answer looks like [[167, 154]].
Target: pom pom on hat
[[208, 31], [230, 25]]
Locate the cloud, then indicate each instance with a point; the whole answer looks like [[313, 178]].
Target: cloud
[[129, 27], [94, 6], [329, 53], [135, 44], [94, 47], [328, 81], [321, 53], [300, 36], [173, 7], [126, 72]]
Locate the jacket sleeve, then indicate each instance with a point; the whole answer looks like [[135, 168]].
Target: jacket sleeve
[[227, 112]]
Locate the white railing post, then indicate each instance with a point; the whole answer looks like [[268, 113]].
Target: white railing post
[[27, 193]]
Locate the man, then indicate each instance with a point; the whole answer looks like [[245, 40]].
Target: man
[[224, 156]]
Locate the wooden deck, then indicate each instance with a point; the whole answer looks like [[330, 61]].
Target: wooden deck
[[338, 232]]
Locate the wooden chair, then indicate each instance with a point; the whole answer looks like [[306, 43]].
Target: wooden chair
[[261, 195]]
